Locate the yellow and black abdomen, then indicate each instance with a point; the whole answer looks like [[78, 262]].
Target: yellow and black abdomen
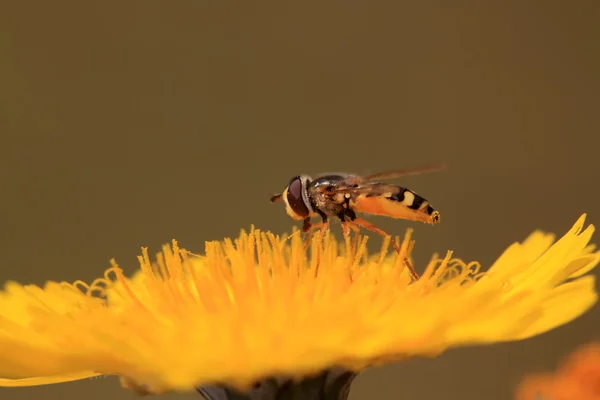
[[400, 204]]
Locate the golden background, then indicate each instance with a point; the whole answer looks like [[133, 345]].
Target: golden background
[[128, 124]]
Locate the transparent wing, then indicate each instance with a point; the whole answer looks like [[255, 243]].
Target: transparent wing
[[367, 189], [404, 172]]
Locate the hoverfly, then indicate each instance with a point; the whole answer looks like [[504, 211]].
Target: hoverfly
[[342, 196]]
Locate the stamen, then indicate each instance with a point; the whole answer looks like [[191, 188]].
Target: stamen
[[123, 281], [384, 250], [360, 252], [399, 263]]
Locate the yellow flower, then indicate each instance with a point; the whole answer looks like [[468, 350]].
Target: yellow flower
[[578, 378], [259, 307]]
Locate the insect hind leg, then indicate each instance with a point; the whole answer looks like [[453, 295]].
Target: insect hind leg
[[367, 225]]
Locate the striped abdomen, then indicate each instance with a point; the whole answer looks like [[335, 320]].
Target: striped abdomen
[[401, 204]]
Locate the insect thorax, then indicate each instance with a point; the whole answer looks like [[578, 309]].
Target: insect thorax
[[330, 204]]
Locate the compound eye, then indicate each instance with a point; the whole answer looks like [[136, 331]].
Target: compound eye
[[295, 199]]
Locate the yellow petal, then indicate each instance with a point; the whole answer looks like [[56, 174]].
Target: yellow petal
[[260, 306], [46, 380]]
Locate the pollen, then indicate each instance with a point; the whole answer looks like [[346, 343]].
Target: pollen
[[260, 305]]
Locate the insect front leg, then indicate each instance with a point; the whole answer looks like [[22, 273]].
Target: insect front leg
[[306, 225], [324, 225], [309, 228]]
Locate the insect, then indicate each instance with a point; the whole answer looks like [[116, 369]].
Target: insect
[[343, 196]]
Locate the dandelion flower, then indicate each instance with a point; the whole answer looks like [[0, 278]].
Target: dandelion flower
[[262, 309], [578, 378]]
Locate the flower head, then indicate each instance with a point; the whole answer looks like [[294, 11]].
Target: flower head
[[261, 306], [578, 378]]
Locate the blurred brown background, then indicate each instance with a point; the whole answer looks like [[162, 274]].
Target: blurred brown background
[[127, 124]]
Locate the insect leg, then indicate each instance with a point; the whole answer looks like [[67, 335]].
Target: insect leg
[[324, 225], [356, 230], [346, 229], [342, 217], [310, 231], [346, 217], [310, 234], [308, 227], [367, 225]]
